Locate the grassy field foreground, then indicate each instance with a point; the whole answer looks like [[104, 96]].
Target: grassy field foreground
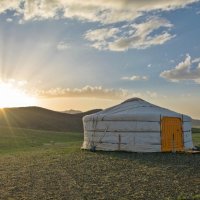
[[50, 165]]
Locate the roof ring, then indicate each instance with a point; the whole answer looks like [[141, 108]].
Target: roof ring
[[133, 99]]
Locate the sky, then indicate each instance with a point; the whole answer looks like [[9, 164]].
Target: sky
[[75, 54]]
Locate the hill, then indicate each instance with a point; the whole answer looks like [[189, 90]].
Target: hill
[[45, 119], [42, 119], [196, 123]]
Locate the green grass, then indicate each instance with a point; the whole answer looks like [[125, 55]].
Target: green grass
[[196, 136], [50, 165], [196, 139], [15, 140]]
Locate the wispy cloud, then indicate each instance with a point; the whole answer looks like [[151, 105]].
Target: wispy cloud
[[152, 94], [101, 34], [133, 36], [186, 70], [149, 65], [196, 60], [87, 91], [198, 12], [135, 78], [62, 46], [14, 82], [9, 19], [110, 11], [97, 92], [10, 5]]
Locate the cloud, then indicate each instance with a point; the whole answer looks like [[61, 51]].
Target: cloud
[[97, 92], [10, 5], [22, 83], [155, 31], [100, 37], [39, 9], [133, 36], [103, 11], [101, 34], [14, 82], [196, 60], [186, 95], [62, 46], [152, 94], [186, 70], [87, 91], [9, 19], [149, 65], [135, 78]]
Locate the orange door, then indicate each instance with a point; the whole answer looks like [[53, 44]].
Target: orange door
[[172, 134]]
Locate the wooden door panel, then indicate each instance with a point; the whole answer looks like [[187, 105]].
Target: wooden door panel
[[171, 134]]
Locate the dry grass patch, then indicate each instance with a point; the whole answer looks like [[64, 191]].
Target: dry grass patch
[[102, 175]]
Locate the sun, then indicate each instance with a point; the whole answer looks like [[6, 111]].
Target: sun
[[12, 96]]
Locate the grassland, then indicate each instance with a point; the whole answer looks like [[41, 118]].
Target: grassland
[[50, 165], [196, 136], [18, 140]]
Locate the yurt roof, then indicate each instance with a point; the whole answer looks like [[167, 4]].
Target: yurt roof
[[135, 109]]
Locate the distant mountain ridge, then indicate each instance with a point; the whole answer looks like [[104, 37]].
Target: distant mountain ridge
[[45, 119], [42, 119], [71, 111], [195, 123]]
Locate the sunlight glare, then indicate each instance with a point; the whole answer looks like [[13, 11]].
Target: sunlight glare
[[11, 96]]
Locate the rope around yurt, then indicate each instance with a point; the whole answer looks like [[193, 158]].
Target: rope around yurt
[[92, 142]]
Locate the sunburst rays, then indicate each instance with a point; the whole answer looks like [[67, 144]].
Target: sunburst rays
[[13, 96]]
